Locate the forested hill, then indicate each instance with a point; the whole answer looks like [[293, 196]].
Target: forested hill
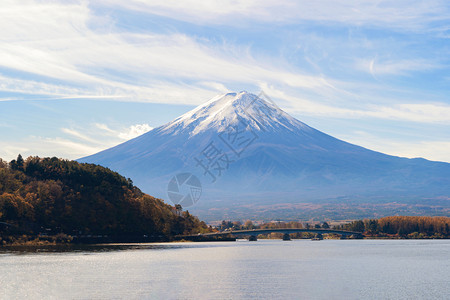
[[62, 196]]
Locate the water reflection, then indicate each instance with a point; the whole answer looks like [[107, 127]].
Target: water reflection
[[301, 269], [88, 248]]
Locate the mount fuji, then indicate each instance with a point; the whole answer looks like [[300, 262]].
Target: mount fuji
[[253, 160]]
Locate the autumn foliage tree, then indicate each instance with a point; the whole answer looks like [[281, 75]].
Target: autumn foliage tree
[[403, 226], [69, 197]]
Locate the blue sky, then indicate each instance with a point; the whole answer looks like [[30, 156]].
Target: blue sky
[[77, 77]]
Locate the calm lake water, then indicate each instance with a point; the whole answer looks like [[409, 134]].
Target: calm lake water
[[273, 269]]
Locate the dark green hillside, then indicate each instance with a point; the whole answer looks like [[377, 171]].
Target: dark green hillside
[[59, 196]]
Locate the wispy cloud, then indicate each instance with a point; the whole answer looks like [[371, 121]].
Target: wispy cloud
[[378, 67], [73, 143], [77, 55], [319, 58], [402, 14], [9, 152], [415, 112], [79, 135], [65, 147], [125, 133], [430, 149], [46, 147], [106, 128], [135, 131], [90, 58]]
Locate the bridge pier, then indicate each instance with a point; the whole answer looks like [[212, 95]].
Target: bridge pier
[[356, 236], [286, 237], [318, 237], [252, 238]]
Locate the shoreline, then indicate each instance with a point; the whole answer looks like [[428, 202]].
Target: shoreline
[[39, 242]]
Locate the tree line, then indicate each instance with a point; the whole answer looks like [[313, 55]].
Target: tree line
[[393, 226], [402, 226], [52, 195]]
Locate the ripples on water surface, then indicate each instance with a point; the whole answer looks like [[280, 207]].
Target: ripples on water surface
[[301, 269]]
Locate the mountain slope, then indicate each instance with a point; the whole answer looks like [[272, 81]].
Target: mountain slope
[[248, 152]]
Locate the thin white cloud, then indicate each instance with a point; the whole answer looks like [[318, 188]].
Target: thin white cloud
[[76, 54], [9, 151], [33, 87], [72, 143], [105, 128], [134, 131], [422, 112], [79, 135], [46, 147], [66, 148], [432, 150], [395, 67], [401, 14], [125, 133], [436, 150], [95, 137], [415, 112]]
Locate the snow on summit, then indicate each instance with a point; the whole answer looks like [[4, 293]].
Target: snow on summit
[[224, 110]]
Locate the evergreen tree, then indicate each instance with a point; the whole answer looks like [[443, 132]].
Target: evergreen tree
[[20, 162]]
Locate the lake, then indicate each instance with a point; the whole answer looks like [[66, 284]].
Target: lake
[[266, 269]]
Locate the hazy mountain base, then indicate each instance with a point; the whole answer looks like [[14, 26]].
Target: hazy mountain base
[[326, 209], [234, 201]]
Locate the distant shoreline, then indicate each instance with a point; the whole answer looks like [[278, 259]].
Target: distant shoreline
[[36, 241]]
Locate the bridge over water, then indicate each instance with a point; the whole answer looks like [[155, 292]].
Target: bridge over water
[[253, 233]]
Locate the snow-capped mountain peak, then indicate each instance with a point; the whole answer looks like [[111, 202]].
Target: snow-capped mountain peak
[[224, 110], [270, 159]]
